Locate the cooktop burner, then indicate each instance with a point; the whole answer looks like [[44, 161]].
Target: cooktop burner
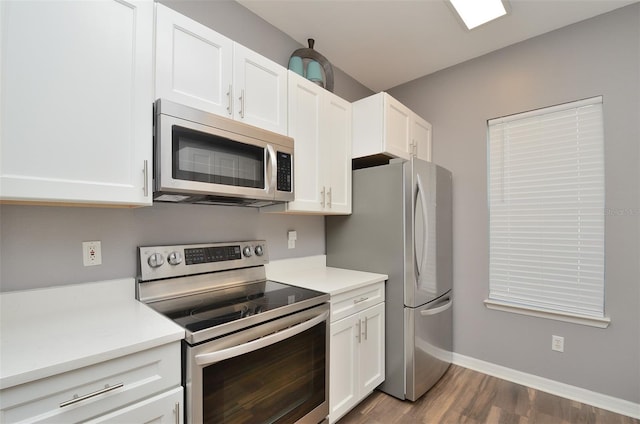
[[215, 308]]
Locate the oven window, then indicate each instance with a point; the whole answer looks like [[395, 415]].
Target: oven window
[[277, 384], [208, 158]]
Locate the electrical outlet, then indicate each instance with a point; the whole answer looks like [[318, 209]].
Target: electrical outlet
[[557, 343], [91, 253]]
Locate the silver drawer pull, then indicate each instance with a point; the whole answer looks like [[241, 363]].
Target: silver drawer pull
[[77, 398], [176, 410], [362, 299]]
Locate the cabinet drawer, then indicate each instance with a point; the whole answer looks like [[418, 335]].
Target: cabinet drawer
[[91, 391], [164, 408], [351, 302]]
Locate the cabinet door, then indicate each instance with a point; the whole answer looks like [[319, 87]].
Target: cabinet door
[[260, 90], [166, 408], [397, 132], [336, 154], [343, 372], [76, 101], [305, 103], [421, 136], [193, 63], [372, 370]]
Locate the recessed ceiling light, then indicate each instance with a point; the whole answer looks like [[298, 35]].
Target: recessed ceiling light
[[477, 12]]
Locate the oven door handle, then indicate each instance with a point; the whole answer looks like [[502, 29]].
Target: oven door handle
[[213, 357]]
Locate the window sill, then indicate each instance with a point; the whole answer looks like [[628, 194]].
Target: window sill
[[542, 313]]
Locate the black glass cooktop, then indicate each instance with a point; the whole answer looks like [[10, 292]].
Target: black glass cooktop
[[225, 309]]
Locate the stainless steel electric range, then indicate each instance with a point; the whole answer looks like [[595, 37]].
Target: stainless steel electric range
[[256, 351]]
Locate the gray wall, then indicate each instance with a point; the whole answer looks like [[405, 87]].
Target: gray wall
[[41, 246], [600, 56]]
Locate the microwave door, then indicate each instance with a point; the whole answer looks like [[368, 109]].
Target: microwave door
[[195, 160]]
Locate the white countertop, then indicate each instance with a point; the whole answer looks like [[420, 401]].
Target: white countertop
[[312, 273], [49, 331]]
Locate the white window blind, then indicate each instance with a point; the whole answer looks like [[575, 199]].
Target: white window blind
[[546, 208]]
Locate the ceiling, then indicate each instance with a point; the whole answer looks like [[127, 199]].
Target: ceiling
[[384, 43]]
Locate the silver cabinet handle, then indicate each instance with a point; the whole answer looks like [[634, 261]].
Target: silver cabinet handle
[[176, 410], [77, 398], [362, 299], [359, 337], [322, 193], [329, 198], [145, 173], [366, 328], [230, 100], [242, 101]]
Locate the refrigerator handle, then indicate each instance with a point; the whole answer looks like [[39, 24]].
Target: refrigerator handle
[[439, 309], [425, 229]]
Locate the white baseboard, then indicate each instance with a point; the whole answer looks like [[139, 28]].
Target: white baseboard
[[578, 394]]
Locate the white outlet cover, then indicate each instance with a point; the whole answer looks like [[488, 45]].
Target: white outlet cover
[[557, 343], [91, 253]]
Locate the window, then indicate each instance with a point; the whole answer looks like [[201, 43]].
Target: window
[[546, 212]]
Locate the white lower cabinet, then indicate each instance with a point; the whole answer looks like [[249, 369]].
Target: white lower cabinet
[[357, 348], [141, 387], [166, 408]]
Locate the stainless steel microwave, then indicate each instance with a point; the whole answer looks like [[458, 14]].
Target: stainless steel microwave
[[204, 158]]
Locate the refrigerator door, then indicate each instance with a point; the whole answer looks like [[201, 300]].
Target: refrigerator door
[[431, 234], [429, 345]]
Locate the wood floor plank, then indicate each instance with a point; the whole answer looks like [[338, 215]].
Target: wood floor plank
[[464, 396]]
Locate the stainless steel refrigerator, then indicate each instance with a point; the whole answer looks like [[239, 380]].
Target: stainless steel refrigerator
[[401, 226]]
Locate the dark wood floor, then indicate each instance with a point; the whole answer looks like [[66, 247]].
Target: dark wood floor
[[466, 396]]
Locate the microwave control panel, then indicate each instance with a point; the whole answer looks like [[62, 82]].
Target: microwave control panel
[[284, 172]]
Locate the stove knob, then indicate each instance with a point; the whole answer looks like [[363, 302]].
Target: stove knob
[[259, 251], [247, 251], [175, 258], [155, 260]]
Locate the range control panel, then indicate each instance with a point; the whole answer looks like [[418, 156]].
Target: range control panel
[[156, 262], [201, 255]]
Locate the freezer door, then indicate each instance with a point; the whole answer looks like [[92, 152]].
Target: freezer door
[[429, 345], [431, 273]]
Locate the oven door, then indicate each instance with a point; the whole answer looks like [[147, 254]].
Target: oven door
[[276, 372]]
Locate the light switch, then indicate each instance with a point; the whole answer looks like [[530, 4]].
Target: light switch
[[292, 236]]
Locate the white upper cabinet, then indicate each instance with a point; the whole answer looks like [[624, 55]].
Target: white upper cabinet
[[76, 97], [260, 90], [396, 127], [320, 124], [335, 135], [421, 138], [193, 63], [201, 68], [384, 126]]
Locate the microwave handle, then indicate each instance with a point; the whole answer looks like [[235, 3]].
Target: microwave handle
[[274, 169]]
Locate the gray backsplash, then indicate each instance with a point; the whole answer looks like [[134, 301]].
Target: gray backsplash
[[42, 245]]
